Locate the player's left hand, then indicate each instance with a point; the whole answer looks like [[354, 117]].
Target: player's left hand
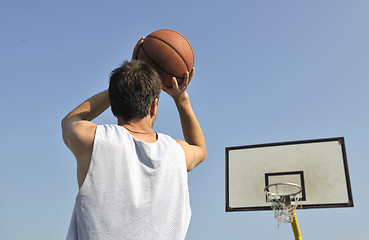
[[176, 91], [135, 50]]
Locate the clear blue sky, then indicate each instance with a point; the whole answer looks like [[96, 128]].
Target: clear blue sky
[[266, 71]]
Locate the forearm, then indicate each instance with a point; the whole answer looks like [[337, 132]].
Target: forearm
[[190, 126], [91, 108]]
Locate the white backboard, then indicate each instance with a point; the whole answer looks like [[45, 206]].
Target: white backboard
[[318, 166]]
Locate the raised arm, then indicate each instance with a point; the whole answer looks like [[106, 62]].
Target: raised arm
[[194, 145], [78, 130]]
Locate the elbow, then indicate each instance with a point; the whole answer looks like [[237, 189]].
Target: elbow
[[63, 124], [204, 155], [204, 152], [200, 158], [64, 121]]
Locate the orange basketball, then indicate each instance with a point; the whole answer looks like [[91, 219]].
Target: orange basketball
[[169, 52]]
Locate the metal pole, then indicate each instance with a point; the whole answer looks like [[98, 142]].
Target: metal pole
[[295, 227]]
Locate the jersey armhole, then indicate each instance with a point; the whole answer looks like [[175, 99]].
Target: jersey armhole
[[92, 162]]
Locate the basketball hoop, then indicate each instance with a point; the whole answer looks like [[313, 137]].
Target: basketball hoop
[[284, 200]]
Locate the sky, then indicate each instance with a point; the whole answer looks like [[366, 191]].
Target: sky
[[266, 71]]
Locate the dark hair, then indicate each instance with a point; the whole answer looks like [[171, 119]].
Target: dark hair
[[133, 86]]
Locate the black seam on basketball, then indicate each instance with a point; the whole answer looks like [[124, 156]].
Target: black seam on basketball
[[138, 50], [173, 49], [147, 55], [189, 44]]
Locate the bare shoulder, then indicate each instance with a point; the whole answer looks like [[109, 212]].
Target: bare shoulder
[[194, 154], [183, 144], [79, 136]]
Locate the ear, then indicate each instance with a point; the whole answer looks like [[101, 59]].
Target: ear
[[154, 107]]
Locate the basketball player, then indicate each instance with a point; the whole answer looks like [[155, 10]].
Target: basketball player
[[132, 180]]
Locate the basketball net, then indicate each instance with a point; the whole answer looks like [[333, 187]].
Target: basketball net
[[283, 200]]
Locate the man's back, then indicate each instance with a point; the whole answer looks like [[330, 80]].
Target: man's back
[[132, 185], [133, 189]]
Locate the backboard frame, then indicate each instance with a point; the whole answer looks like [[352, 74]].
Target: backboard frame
[[349, 203]]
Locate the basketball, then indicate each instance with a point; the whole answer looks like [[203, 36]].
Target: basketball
[[169, 52]]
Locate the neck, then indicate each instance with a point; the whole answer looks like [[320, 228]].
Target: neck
[[140, 126], [136, 131]]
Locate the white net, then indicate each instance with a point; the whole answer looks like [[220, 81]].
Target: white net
[[284, 198]]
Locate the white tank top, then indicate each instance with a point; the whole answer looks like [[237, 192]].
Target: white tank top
[[133, 189]]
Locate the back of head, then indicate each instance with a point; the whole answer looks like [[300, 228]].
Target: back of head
[[133, 86]]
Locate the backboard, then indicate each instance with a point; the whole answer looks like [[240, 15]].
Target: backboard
[[318, 166]]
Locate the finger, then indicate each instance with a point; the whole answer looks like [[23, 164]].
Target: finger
[[137, 47], [192, 73], [186, 79], [174, 83]]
